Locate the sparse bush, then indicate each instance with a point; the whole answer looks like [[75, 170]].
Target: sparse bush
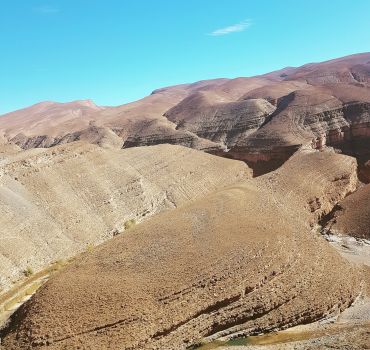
[[28, 271], [57, 265], [89, 247], [129, 224]]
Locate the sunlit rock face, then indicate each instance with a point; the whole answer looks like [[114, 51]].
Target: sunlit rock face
[[56, 201], [225, 264], [262, 120]]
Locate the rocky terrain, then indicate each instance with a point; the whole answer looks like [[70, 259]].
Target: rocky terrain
[[262, 120], [55, 202], [7, 148], [352, 215], [175, 247], [224, 265]]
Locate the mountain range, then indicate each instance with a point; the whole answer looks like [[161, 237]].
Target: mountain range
[[201, 213], [262, 120]]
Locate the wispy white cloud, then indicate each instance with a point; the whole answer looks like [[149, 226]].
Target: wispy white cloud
[[46, 9], [238, 27]]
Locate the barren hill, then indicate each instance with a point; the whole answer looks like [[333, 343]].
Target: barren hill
[[48, 118], [262, 120], [225, 264], [235, 256], [54, 202], [47, 124]]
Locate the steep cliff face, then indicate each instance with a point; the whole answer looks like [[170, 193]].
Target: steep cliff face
[[347, 124], [225, 264], [311, 118], [347, 129], [261, 161], [54, 202]]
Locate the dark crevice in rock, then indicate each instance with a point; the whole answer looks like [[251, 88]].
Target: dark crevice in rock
[[262, 167], [95, 329]]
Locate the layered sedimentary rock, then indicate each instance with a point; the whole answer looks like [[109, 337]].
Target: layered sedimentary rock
[[222, 122], [262, 120], [225, 264], [316, 181], [138, 123], [54, 202]]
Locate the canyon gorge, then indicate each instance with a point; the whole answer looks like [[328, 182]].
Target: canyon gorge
[[204, 211]]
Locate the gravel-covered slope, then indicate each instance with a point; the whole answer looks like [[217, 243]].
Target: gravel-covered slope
[[54, 202], [241, 260]]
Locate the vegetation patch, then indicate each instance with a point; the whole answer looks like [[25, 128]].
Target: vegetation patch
[[129, 224], [28, 271]]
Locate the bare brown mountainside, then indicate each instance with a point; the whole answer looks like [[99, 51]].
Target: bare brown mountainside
[[262, 120], [49, 118], [241, 260], [352, 215], [54, 202], [236, 255]]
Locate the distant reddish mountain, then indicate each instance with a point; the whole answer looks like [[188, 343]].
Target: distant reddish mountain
[[261, 120]]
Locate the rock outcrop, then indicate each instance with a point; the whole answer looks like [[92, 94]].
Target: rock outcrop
[[225, 264], [221, 122], [54, 202]]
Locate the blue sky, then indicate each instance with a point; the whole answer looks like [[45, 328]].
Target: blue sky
[[116, 51]]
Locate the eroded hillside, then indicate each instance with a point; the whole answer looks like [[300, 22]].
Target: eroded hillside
[[224, 265], [54, 202], [235, 256], [262, 120], [352, 215]]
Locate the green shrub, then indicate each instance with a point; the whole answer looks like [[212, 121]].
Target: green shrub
[[89, 247], [28, 271], [129, 224]]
